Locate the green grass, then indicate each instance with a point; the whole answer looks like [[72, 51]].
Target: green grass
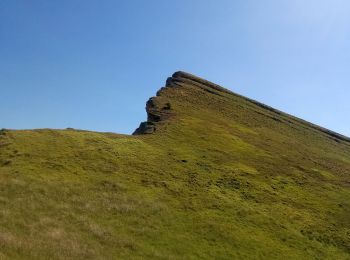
[[220, 179]]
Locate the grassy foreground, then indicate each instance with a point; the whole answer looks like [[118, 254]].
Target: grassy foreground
[[220, 178]]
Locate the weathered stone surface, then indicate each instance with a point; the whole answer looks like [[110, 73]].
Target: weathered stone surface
[[145, 128], [158, 111], [180, 78]]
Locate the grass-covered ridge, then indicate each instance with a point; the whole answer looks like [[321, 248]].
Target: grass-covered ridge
[[221, 177]]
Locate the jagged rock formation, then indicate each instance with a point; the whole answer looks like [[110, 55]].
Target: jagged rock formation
[[158, 111]]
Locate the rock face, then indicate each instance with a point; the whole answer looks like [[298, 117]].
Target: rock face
[[180, 78], [145, 128], [159, 111]]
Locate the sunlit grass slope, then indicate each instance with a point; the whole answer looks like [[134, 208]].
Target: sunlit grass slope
[[221, 177]]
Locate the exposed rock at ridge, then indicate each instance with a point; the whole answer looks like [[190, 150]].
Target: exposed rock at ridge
[[145, 128], [180, 78], [158, 111]]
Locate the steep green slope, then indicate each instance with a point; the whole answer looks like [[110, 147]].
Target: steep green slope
[[221, 176]]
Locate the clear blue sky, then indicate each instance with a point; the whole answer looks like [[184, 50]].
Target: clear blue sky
[[93, 64]]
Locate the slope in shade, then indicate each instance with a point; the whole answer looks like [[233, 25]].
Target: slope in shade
[[211, 174]]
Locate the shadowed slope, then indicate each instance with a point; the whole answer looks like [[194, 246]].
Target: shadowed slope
[[221, 176]]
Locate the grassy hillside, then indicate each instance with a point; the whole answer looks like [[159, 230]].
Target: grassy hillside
[[221, 176]]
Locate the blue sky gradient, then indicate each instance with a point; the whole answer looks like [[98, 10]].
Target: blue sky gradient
[[93, 64]]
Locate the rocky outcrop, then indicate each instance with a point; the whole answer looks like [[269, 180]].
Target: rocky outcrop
[[181, 78], [159, 111], [145, 128]]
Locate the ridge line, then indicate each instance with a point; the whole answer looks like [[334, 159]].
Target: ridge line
[[184, 77]]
